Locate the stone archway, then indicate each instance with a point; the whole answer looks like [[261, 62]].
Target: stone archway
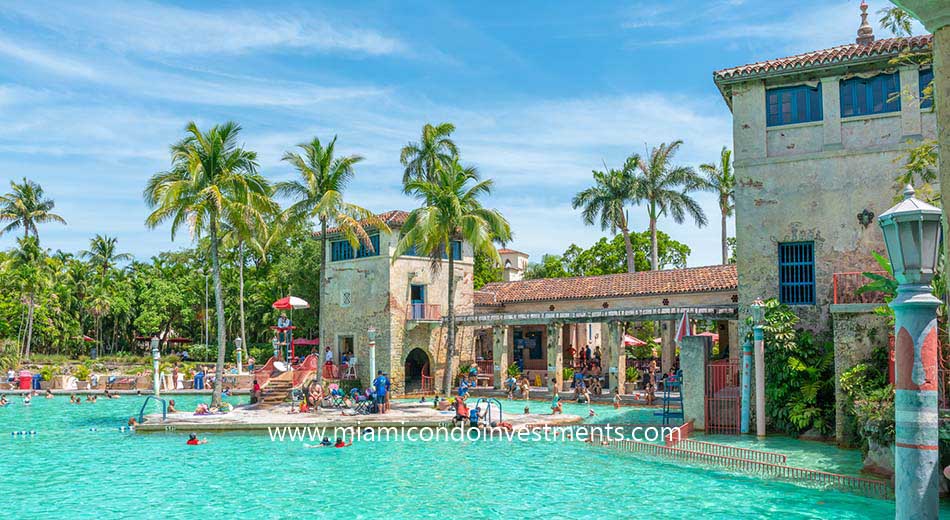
[[417, 365]]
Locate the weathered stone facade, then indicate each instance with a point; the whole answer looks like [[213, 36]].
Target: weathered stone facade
[[857, 332], [375, 291], [808, 182]]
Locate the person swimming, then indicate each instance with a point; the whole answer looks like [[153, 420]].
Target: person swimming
[[26, 400], [49, 394], [171, 406], [194, 441], [3, 400], [340, 444]]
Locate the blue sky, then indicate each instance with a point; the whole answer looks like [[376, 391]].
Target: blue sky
[[92, 93]]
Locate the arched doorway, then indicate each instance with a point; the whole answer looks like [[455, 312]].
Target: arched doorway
[[417, 365]]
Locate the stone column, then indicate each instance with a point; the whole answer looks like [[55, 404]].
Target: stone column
[[916, 464], [555, 357], [746, 387], [694, 354], [668, 351], [614, 354], [910, 106], [499, 354]]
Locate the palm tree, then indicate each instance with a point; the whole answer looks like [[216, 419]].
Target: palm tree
[[26, 207], [722, 179], [101, 253], [450, 211], [435, 148], [27, 262], [212, 181], [319, 193], [896, 20], [605, 202], [665, 188]]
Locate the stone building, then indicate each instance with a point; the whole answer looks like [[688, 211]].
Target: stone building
[[537, 324], [819, 140], [404, 299]]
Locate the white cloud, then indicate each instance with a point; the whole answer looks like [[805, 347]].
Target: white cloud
[[46, 60], [153, 28]]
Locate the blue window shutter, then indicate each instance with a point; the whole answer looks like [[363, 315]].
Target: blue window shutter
[[796, 266], [926, 77], [789, 105], [877, 95]]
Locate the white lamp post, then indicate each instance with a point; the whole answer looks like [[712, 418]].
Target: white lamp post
[[238, 343], [912, 234], [371, 334], [156, 355], [758, 336]]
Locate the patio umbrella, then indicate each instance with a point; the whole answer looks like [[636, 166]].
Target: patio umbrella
[[291, 303], [713, 335], [630, 341]]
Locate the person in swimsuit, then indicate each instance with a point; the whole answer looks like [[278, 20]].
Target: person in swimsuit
[[340, 444], [556, 406], [194, 441]]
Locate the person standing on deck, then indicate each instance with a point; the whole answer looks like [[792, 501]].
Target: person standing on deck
[[381, 384]]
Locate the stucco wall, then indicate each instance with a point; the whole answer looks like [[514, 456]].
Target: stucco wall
[[809, 183], [379, 296], [857, 332]]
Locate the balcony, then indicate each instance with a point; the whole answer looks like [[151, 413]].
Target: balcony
[[425, 312], [846, 287]]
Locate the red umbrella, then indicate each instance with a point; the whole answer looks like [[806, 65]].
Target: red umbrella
[[630, 341], [290, 303], [87, 339], [713, 335]]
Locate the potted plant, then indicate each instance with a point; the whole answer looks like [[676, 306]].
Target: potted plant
[[568, 377], [81, 373], [47, 373], [633, 377]]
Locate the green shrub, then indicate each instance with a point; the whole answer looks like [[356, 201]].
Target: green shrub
[[513, 370], [82, 372], [633, 375], [47, 372], [568, 373]]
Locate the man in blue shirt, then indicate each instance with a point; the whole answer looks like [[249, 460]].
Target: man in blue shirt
[[381, 383]]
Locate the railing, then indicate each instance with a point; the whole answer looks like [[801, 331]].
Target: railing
[[144, 403], [425, 312], [731, 451], [846, 287], [427, 387], [485, 367], [305, 369], [262, 375], [862, 486]]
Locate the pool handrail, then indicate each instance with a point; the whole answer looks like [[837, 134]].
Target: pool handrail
[[144, 403]]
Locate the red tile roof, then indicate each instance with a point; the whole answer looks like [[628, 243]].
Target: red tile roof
[[875, 50], [674, 281], [392, 218], [486, 298], [506, 251]]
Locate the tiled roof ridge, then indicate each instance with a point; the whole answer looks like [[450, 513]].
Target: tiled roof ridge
[[833, 55]]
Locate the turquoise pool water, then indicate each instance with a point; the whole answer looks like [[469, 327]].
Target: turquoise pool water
[[68, 471]]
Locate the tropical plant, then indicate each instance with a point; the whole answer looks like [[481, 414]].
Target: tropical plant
[[319, 193], [102, 255], [721, 179], [608, 256], [606, 202], [25, 207], [665, 189], [451, 210], [82, 372], [513, 370], [435, 149], [805, 407], [896, 20], [28, 264], [567, 373], [212, 181]]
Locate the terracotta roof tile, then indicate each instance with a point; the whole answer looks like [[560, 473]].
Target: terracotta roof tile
[[842, 54], [486, 298], [673, 281], [392, 218], [506, 251]]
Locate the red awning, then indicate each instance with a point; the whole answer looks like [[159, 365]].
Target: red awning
[[630, 341], [302, 341]]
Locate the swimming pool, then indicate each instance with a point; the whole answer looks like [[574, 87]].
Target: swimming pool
[[66, 470]]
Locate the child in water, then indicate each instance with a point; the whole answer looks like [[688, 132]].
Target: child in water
[[617, 397]]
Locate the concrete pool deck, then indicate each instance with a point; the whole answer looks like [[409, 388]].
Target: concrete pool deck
[[401, 414]]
